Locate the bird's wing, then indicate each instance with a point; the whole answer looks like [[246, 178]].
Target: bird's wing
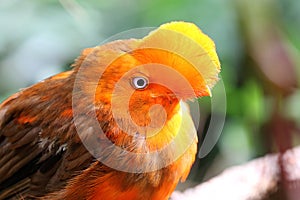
[[39, 150]]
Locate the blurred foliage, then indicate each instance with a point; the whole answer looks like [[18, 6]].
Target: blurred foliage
[[258, 44]]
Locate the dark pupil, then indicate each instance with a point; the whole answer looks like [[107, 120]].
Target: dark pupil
[[140, 82]]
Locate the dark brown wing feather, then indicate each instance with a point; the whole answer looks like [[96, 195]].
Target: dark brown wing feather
[[39, 151]]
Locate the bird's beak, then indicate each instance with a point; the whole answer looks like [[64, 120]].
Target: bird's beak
[[208, 91]]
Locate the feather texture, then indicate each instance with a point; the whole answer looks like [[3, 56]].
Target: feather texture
[[61, 138]]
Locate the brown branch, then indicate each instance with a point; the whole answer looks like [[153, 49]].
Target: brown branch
[[257, 179]]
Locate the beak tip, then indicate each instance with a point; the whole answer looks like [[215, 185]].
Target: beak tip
[[208, 91]]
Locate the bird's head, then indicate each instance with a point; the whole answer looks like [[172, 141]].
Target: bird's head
[[144, 80]]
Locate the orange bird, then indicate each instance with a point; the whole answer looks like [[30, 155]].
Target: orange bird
[[116, 126]]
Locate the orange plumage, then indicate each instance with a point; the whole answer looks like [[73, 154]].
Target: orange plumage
[[115, 126]]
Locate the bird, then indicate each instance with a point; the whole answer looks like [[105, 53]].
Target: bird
[[115, 126]]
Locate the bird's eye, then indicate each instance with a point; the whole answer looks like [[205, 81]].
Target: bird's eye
[[139, 82]]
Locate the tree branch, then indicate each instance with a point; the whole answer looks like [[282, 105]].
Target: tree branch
[[255, 180]]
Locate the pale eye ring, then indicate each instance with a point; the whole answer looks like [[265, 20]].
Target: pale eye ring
[[139, 82]]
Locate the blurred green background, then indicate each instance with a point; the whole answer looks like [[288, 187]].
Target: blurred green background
[[257, 41]]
